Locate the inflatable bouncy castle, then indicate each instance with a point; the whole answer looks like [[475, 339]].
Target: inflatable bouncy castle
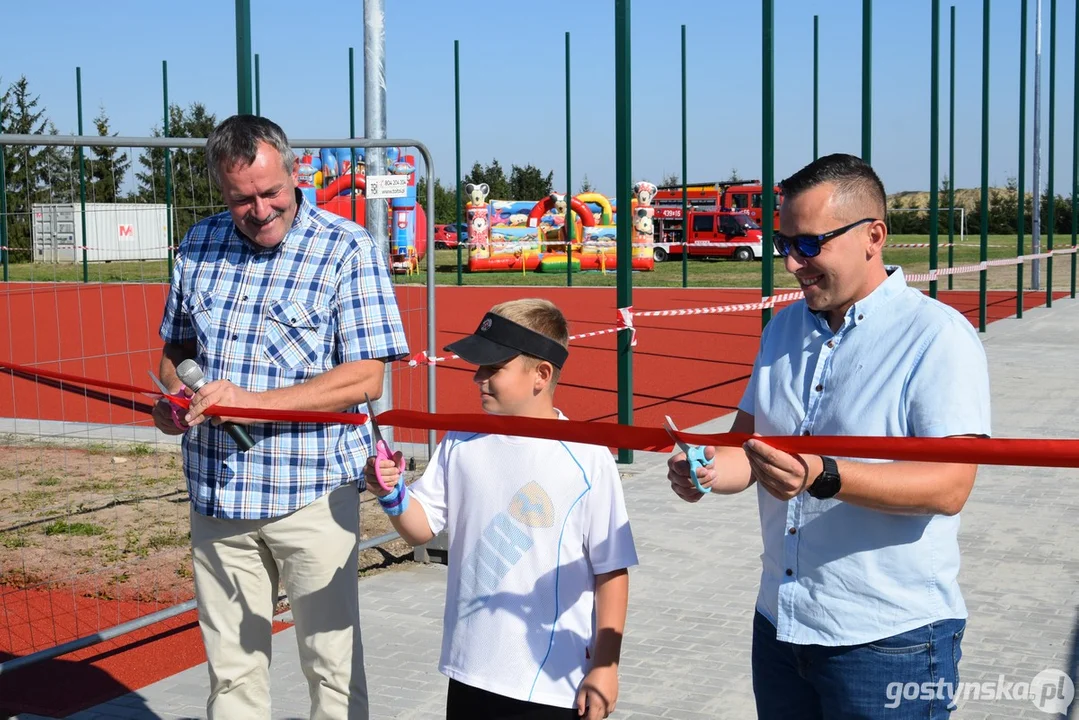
[[326, 180], [507, 235]]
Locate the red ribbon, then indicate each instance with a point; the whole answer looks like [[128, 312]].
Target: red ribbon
[[979, 451]]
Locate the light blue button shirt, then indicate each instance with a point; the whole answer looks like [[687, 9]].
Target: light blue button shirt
[[902, 364]]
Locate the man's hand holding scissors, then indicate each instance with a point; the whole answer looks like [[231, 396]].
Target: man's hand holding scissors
[[699, 470], [168, 416]]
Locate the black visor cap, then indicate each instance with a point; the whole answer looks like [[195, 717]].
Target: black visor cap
[[498, 340]]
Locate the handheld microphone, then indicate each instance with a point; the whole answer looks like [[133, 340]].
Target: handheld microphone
[[190, 374]]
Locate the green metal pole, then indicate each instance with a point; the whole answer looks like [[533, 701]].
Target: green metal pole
[[951, 152], [816, 75], [685, 199], [984, 255], [867, 80], [457, 140], [258, 88], [934, 145], [1021, 210], [569, 181], [82, 178], [1075, 151], [352, 126], [168, 162], [624, 179], [1051, 223], [768, 195], [3, 204], [243, 57]]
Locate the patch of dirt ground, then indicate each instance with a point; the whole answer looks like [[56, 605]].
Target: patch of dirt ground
[[112, 522]]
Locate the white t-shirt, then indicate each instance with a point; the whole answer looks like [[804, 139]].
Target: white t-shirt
[[531, 523]]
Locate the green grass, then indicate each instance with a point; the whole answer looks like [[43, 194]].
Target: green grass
[[33, 499], [14, 539], [96, 484], [63, 527], [145, 271], [98, 448], [168, 539], [701, 273]]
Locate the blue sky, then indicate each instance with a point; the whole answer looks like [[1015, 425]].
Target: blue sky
[[512, 78]]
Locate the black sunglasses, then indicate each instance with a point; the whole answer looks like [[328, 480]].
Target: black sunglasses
[[810, 245]]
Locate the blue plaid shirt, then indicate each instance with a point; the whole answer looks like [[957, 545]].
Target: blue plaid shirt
[[270, 318]]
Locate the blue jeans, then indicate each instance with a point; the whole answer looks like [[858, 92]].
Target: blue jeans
[[911, 675]]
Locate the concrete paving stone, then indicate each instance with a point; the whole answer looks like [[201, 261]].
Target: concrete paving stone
[[683, 714]]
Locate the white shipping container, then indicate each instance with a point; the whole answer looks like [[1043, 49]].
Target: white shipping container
[[114, 231]]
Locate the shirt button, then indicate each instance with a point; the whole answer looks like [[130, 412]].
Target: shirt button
[[792, 531], [806, 432], [831, 343], [235, 337], [789, 572], [818, 388], [861, 317], [224, 464], [245, 297]]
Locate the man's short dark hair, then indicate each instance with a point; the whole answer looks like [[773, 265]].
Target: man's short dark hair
[[854, 180], [237, 140]]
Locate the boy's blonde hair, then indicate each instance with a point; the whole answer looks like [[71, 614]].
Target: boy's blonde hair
[[541, 316]]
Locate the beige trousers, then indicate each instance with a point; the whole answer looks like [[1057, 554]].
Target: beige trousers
[[237, 567]]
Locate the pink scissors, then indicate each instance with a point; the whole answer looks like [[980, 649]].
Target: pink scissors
[[176, 418], [382, 449]]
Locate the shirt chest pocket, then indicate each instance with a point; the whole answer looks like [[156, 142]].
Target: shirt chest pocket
[[200, 308], [295, 333]]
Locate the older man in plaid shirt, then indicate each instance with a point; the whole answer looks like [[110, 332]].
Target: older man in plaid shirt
[[286, 307]]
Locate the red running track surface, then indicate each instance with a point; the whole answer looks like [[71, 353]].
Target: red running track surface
[[693, 368]]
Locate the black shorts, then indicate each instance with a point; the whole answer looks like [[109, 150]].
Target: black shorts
[[464, 702]]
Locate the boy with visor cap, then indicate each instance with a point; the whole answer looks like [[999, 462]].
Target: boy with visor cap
[[539, 538]]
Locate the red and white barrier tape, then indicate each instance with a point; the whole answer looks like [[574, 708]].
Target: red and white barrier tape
[[624, 321], [978, 267], [765, 302], [422, 358], [625, 316]]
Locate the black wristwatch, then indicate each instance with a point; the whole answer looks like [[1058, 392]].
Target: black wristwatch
[[826, 484]]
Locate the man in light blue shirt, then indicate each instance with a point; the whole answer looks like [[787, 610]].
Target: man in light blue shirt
[[859, 594]]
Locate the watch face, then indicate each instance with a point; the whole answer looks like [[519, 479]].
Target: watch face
[[825, 486]]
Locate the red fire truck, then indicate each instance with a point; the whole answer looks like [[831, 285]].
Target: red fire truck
[[712, 233], [742, 195]]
